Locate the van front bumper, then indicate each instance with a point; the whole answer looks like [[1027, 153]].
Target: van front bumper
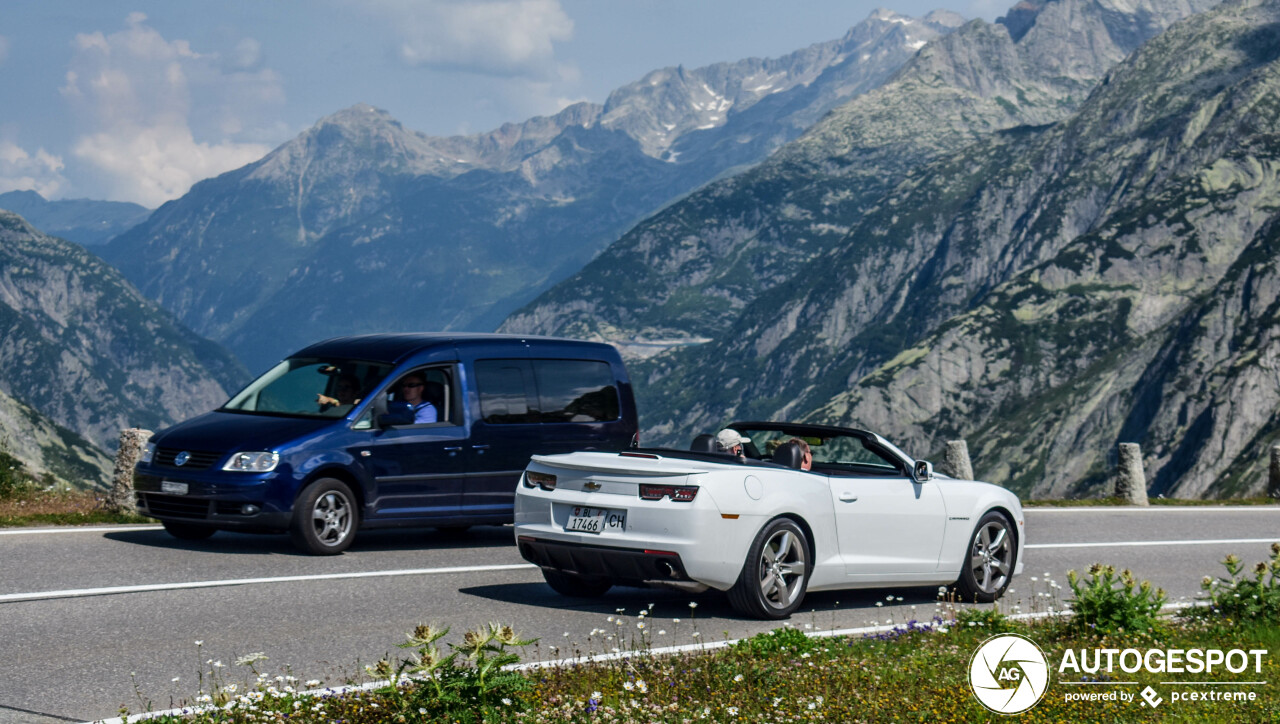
[[246, 505]]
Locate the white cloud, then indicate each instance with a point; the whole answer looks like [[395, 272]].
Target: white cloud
[[494, 37], [156, 116], [22, 171]]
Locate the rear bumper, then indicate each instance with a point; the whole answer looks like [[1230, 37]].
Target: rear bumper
[[622, 566]]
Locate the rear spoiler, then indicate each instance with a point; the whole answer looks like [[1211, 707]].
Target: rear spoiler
[[625, 463]]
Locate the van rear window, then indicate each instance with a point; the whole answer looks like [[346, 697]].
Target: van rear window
[[546, 391]]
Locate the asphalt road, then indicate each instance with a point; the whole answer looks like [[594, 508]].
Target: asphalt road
[[95, 619]]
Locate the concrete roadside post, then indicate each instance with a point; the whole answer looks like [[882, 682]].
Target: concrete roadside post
[[1130, 481], [120, 498], [1273, 483], [955, 462]]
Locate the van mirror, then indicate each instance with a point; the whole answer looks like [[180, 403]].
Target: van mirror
[[923, 471], [398, 413]]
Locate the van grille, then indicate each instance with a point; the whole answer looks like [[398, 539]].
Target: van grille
[[200, 459], [175, 506]]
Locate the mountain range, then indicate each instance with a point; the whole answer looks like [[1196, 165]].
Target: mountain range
[[1102, 272], [361, 225], [85, 349], [84, 221]]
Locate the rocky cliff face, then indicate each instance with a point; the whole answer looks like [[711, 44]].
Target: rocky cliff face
[[47, 448], [1045, 292], [362, 225], [683, 276], [80, 345]]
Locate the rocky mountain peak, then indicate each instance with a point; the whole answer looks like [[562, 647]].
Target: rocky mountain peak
[[1019, 19]]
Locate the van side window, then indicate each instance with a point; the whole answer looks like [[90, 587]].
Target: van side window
[[575, 390], [507, 392], [546, 390], [436, 387]]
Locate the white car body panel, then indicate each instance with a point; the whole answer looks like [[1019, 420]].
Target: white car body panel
[[864, 531]]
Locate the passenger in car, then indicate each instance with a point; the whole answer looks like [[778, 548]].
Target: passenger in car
[[806, 461], [411, 388], [730, 440]]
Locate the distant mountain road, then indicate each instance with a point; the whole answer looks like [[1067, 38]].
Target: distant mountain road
[[80, 611]]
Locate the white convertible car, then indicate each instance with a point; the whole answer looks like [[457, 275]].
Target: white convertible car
[[757, 526]]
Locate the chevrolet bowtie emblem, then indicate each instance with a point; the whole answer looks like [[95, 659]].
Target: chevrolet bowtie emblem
[[591, 487]]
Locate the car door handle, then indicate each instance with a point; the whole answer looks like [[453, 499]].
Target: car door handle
[[847, 497], [453, 449], [479, 447]]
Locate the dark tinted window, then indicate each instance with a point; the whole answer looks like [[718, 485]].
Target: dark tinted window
[[546, 390], [506, 391], [575, 390]]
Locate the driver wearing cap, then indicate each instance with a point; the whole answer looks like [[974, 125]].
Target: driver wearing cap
[[730, 440]]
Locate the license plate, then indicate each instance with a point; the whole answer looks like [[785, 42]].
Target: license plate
[[168, 486], [595, 520]]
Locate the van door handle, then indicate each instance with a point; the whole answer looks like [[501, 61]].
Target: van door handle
[[847, 497], [479, 447]]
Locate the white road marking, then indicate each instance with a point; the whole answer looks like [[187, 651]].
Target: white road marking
[[144, 588], [81, 529], [1140, 543]]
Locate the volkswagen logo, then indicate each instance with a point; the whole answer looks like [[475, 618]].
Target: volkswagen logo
[[181, 458]]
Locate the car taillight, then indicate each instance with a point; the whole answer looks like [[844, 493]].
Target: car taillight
[[539, 480], [678, 493]]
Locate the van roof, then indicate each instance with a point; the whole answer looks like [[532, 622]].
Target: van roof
[[392, 348]]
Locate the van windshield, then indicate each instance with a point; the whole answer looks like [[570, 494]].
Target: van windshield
[[300, 387]]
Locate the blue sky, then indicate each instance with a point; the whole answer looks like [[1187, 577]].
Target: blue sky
[[135, 101]]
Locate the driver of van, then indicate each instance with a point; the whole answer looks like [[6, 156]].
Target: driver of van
[[346, 391], [411, 388]]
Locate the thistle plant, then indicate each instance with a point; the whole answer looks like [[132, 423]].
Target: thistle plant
[[430, 684], [1105, 605], [1241, 597]]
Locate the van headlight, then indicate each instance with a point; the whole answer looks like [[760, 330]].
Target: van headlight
[[252, 462], [148, 452]]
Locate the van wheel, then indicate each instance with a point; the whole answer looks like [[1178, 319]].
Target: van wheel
[[183, 530], [324, 518], [567, 584], [776, 573]]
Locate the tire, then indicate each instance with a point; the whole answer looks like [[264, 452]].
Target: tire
[[325, 518], [990, 560], [183, 530], [776, 573], [567, 584]]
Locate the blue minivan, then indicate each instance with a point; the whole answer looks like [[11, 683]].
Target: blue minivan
[[380, 431]]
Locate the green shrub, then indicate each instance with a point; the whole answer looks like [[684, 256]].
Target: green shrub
[[988, 618], [15, 481], [1240, 597], [1103, 605], [781, 639]]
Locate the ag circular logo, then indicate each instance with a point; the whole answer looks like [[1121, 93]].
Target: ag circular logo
[[1009, 673]]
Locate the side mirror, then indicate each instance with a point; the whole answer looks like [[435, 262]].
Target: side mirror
[[398, 413], [922, 472]]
